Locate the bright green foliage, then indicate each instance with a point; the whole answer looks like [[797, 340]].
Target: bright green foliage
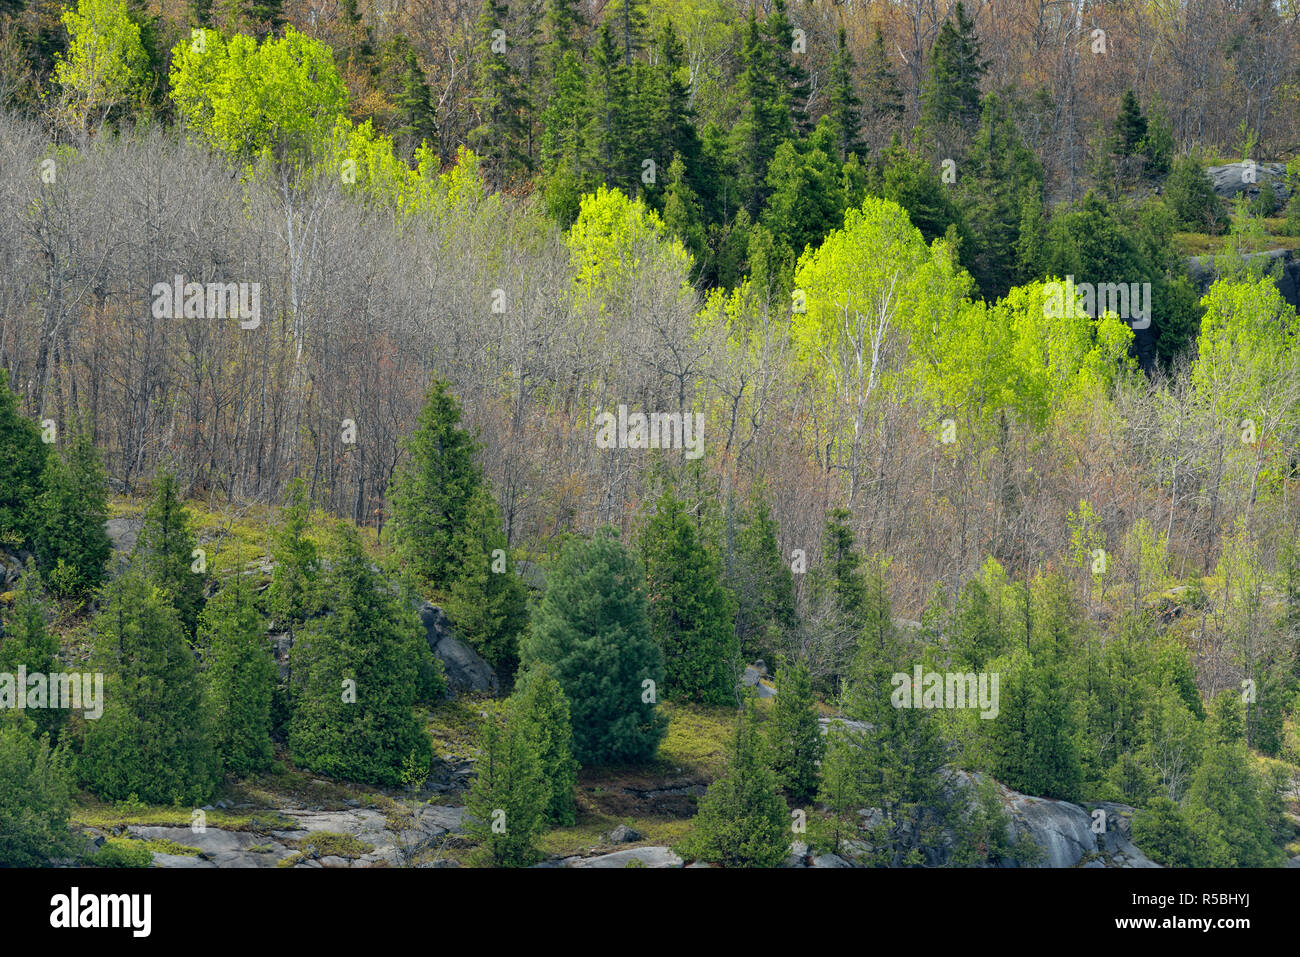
[[22, 462], [487, 600], [912, 182], [35, 799], [742, 821], [29, 643], [794, 738], [294, 595], [539, 703], [152, 741], [692, 614], [356, 677], [281, 98], [763, 585], [240, 678], [508, 799], [70, 540], [105, 61], [1223, 806], [593, 630], [1191, 197], [168, 550]]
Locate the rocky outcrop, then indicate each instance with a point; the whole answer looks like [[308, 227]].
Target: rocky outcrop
[[1203, 271], [642, 856], [1235, 179], [465, 670]]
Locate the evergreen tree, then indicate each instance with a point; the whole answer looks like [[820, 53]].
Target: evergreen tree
[[794, 737], [356, 677], [593, 630], [664, 110], [627, 20], [500, 137], [682, 213], [950, 92], [845, 115], [22, 463], [35, 798], [790, 76], [166, 548], [487, 600], [806, 194], [610, 118], [883, 104], [433, 493], [911, 182], [70, 538], [295, 582], [839, 601], [417, 121], [765, 122], [692, 615], [1130, 130], [153, 740], [26, 642], [1162, 833], [1191, 197], [562, 30], [763, 585], [240, 678], [539, 702], [506, 810], [742, 821]]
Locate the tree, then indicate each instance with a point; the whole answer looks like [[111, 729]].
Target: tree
[[70, 540], [883, 98], [507, 805], [742, 821], [950, 94], [416, 117], [1191, 197], [26, 642], [839, 600], [433, 493], [1162, 833], [539, 702], [846, 117], [765, 120], [153, 740], [35, 798], [22, 465], [168, 551], [240, 678], [593, 630], [356, 677], [105, 63], [794, 737], [692, 614], [294, 595], [763, 585], [501, 101]]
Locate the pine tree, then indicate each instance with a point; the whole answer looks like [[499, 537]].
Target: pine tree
[[792, 78], [763, 585], [167, 550], [663, 106], [627, 20], [794, 737], [692, 615], [593, 630], [911, 182], [765, 121], [35, 798], [742, 821], [609, 86], [70, 538], [562, 30], [432, 494], [1191, 197], [950, 93], [22, 464], [1130, 127], [682, 213], [883, 104], [846, 117], [539, 702], [240, 678], [506, 810], [356, 677], [153, 740], [500, 137], [294, 594], [26, 641], [416, 118]]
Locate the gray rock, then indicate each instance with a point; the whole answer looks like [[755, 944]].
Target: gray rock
[[1231, 180], [649, 856], [830, 860], [465, 670], [624, 835]]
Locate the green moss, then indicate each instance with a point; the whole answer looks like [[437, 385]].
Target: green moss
[[164, 846], [122, 852], [333, 844]]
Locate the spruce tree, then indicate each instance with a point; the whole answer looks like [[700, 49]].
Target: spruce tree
[[153, 740], [539, 702], [506, 810], [846, 117], [294, 595], [742, 821], [883, 103], [950, 92], [166, 549], [765, 121], [692, 614], [794, 737], [416, 117], [610, 115], [682, 213], [27, 642], [356, 677], [792, 78], [239, 679], [593, 630], [35, 797], [22, 464], [501, 101], [763, 585], [71, 541]]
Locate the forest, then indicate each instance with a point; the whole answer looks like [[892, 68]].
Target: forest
[[708, 371]]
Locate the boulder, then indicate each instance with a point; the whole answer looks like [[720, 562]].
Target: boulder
[[648, 856], [624, 835], [465, 670], [1234, 179]]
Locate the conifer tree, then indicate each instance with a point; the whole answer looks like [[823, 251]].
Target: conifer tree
[[73, 509], [883, 97], [295, 582], [763, 585], [593, 630], [356, 677], [539, 702], [501, 101], [692, 614], [35, 797], [239, 679], [22, 464], [417, 122], [682, 213], [506, 810], [28, 643], [610, 116], [950, 93], [742, 821], [765, 121], [794, 737], [167, 550], [153, 740], [846, 117], [790, 76]]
